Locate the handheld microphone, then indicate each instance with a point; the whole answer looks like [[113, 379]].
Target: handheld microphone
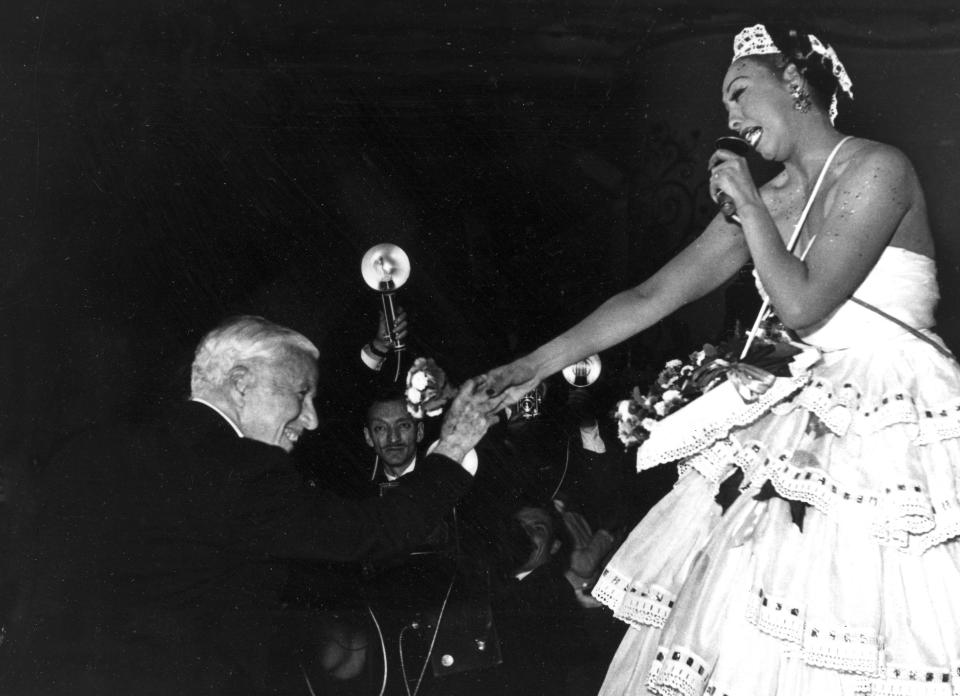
[[737, 146]]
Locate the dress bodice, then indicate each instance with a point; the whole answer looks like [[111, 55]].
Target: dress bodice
[[902, 283]]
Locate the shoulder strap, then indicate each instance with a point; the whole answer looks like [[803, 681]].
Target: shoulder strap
[[813, 195], [904, 325], [765, 308]]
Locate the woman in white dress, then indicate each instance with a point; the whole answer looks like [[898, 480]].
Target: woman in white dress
[[834, 567]]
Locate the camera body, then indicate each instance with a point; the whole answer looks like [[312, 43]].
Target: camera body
[[529, 404]]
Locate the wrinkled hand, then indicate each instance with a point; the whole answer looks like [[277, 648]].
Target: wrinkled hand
[[382, 340], [507, 383], [468, 418]]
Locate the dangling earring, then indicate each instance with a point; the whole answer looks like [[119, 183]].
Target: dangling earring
[[801, 98]]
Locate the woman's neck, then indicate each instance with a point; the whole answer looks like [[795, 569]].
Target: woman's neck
[[812, 150]]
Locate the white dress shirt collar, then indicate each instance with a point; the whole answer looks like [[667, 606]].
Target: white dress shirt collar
[[410, 467], [233, 425]]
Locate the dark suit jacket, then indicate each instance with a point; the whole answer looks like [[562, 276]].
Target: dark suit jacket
[[542, 636], [159, 558]]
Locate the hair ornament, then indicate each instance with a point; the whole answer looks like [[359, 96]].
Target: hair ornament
[[753, 41], [756, 41]]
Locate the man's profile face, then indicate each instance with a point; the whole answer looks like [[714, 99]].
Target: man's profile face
[[393, 433], [278, 406], [538, 525]]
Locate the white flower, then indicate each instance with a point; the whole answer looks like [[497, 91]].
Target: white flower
[[674, 364], [660, 409], [671, 395], [648, 424], [419, 380], [413, 395]]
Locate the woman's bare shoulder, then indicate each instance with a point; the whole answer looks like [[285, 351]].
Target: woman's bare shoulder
[[864, 157]]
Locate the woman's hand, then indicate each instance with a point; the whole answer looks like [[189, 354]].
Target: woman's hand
[[730, 174], [509, 382]]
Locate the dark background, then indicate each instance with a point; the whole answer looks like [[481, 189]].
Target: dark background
[[166, 163]]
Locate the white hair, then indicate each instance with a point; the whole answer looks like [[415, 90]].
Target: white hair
[[241, 341]]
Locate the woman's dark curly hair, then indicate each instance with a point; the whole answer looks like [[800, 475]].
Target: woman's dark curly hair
[[795, 47]]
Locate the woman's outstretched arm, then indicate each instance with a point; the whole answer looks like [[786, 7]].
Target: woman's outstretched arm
[[701, 267]]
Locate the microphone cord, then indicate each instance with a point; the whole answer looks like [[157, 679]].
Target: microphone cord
[[566, 463], [433, 641], [383, 650]]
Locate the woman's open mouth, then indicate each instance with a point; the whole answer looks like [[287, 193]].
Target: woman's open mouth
[[752, 136]]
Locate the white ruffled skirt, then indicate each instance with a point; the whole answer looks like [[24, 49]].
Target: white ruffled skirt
[[864, 599]]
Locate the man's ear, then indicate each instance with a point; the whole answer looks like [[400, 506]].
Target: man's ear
[[241, 379], [366, 436], [420, 431]]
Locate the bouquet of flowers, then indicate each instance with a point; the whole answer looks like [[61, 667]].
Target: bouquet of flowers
[[679, 382], [427, 384]]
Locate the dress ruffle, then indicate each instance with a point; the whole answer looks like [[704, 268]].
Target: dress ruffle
[[864, 599]]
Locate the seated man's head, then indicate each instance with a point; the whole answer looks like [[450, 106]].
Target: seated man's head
[[392, 432], [261, 375], [536, 538]]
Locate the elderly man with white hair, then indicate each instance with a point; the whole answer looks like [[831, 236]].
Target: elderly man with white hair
[[161, 547]]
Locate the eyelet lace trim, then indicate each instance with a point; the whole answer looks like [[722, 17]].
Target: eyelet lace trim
[[699, 437], [715, 463], [610, 588], [645, 606], [840, 648], [902, 515], [775, 617], [895, 408], [947, 526], [911, 680], [678, 671], [942, 424], [637, 605], [838, 408], [833, 411]]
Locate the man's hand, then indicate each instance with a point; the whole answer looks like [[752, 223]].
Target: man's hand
[[589, 551], [468, 418], [382, 340]]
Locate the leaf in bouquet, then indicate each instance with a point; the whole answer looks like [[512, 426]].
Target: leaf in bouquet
[[709, 373], [691, 389], [775, 358]]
